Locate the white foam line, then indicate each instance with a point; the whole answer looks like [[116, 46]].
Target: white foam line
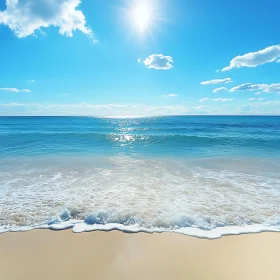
[[24, 228], [79, 226], [4, 229], [227, 230], [196, 232]]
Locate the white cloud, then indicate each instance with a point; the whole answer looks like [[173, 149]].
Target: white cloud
[[251, 99], [259, 87], [170, 95], [216, 90], [272, 103], [217, 81], [216, 99], [198, 107], [254, 59], [159, 61], [85, 109], [257, 93], [10, 89], [261, 99], [139, 60], [223, 99], [24, 17], [248, 86], [31, 81], [15, 90], [13, 104], [271, 107], [273, 88], [203, 99]]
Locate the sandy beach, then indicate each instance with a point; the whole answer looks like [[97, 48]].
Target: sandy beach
[[44, 254]]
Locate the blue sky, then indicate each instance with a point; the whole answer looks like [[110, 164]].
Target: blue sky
[[139, 58]]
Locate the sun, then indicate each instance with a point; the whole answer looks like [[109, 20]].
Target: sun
[[142, 15]]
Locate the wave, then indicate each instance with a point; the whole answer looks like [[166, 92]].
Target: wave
[[42, 143], [165, 194], [64, 222]]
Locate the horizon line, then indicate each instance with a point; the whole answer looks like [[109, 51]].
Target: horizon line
[[155, 116]]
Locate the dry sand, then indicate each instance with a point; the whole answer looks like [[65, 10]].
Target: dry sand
[[44, 254]]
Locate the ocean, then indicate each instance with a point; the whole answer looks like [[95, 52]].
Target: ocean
[[204, 176]]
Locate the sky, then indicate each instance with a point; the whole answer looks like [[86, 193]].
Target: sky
[[139, 57]]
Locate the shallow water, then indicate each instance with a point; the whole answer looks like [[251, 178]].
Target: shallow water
[[204, 176]]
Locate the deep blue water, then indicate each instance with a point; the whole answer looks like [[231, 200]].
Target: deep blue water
[[187, 136]]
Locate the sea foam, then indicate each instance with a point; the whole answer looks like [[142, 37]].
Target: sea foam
[[80, 226], [204, 198]]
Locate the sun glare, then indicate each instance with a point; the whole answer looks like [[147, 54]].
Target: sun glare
[[142, 15]]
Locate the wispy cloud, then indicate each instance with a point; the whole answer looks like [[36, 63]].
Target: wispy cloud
[[15, 90], [216, 90], [216, 99], [258, 87], [86, 109], [254, 59], [271, 107], [273, 88], [24, 17], [198, 107], [31, 81], [248, 86], [223, 99], [204, 99], [159, 61], [217, 81], [220, 107], [10, 89], [170, 95]]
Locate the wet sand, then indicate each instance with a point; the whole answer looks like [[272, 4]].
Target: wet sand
[[45, 254]]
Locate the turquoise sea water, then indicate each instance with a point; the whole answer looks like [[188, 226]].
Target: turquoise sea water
[[199, 175]]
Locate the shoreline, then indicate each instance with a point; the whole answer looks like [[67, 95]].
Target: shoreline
[[46, 254], [78, 226]]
